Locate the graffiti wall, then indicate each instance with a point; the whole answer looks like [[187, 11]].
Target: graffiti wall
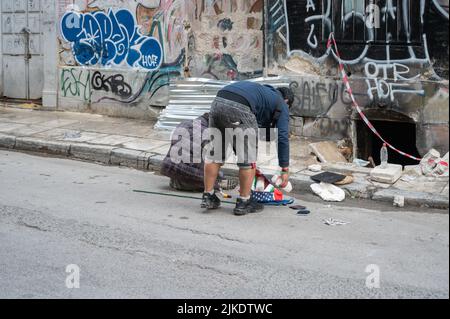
[[395, 53], [226, 38], [118, 57]]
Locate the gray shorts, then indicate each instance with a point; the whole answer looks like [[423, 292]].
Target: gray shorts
[[238, 128]]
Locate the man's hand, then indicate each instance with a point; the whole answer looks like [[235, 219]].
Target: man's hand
[[284, 177]]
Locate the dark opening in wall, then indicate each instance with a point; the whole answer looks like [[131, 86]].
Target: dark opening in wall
[[402, 135]]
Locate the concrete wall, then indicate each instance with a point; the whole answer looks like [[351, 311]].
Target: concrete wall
[[108, 74], [226, 39], [399, 65], [117, 57], [1, 56]]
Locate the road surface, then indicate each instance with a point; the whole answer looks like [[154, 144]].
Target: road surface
[[57, 212]]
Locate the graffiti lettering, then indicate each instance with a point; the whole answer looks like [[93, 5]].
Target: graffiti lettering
[[315, 98], [76, 83], [379, 76], [115, 83], [111, 38]]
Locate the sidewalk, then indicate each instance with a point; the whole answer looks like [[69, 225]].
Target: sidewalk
[[135, 144]]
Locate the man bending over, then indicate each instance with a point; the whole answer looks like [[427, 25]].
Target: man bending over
[[244, 107]]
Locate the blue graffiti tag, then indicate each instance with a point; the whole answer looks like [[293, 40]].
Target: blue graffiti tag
[[110, 39]]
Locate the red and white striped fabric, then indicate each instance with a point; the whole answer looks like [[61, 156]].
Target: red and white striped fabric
[[331, 43]]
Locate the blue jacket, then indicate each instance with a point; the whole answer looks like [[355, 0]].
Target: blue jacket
[[264, 100]]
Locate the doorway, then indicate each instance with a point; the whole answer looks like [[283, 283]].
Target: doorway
[[402, 135], [22, 59]]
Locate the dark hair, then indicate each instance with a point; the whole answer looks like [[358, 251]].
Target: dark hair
[[287, 95]]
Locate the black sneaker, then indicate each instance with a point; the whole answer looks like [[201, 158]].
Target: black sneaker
[[247, 207], [210, 201]]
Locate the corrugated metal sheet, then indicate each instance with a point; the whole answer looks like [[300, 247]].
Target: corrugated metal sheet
[[190, 98]]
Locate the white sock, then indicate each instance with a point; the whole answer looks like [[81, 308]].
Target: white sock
[[211, 192], [244, 198]]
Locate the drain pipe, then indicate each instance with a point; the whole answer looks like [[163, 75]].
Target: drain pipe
[[187, 29]]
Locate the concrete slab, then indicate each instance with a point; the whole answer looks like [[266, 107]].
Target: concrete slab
[[412, 198], [422, 184], [106, 126], [26, 118], [413, 170], [327, 152], [43, 146], [346, 168], [58, 123], [125, 157], [154, 161], [144, 144], [7, 141], [70, 135], [28, 130], [89, 152], [445, 191], [7, 127], [388, 175], [114, 140], [163, 150]]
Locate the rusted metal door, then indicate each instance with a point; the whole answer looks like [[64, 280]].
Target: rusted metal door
[[22, 49]]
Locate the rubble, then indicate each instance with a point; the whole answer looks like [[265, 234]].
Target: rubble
[[399, 201], [335, 222], [360, 162], [389, 175], [315, 168], [413, 170], [442, 168], [328, 192], [348, 180], [347, 168], [430, 161], [327, 152]]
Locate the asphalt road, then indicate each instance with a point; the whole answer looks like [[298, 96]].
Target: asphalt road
[[56, 212]]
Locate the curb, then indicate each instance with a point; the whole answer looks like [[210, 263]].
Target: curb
[[412, 198], [146, 161]]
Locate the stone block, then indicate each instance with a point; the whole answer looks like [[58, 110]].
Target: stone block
[[7, 141], [91, 152], [42, 146], [389, 175], [125, 157], [327, 152]]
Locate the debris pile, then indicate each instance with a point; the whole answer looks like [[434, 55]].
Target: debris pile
[[327, 183], [432, 165]]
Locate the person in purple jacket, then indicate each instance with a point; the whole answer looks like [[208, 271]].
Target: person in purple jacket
[[237, 113]]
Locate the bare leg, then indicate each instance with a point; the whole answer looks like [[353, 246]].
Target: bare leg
[[211, 173], [246, 178]]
